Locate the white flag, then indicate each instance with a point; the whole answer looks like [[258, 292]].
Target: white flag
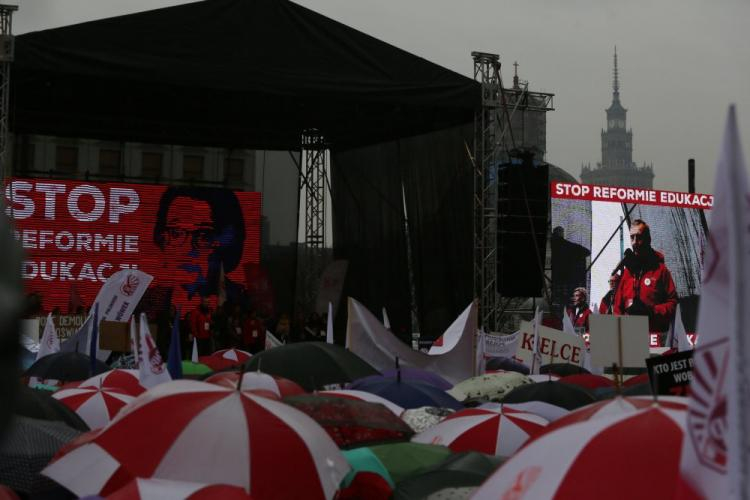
[[134, 343], [50, 342], [677, 335], [386, 321], [151, 369], [329, 327], [568, 324], [716, 448], [194, 357], [479, 364], [536, 362]]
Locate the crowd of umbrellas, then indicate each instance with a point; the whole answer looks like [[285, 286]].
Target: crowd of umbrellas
[[313, 420]]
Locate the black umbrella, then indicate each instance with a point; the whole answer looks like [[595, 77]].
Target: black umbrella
[[633, 390], [312, 364], [456, 471], [566, 396], [27, 448], [65, 366], [41, 405], [562, 369], [507, 364]]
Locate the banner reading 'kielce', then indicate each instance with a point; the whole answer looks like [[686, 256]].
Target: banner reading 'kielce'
[[76, 234]]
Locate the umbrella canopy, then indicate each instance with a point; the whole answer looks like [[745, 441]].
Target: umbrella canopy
[[125, 380], [490, 386], [602, 458], [351, 422], [195, 369], [547, 377], [365, 396], [547, 411], [97, 406], [225, 358], [562, 369], [27, 447], [616, 406], [145, 489], [279, 386], [587, 381], [507, 365], [65, 366], [565, 396], [458, 470], [499, 433], [421, 419], [312, 364], [408, 394], [364, 460], [41, 405], [404, 459], [637, 380], [186, 430], [428, 377]]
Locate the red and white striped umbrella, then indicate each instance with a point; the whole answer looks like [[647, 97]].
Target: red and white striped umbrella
[[97, 406], [225, 358], [499, 433], [547, 411], [616, 406], [625, 456], [186, 430], [257, 381], [365, 396], [123, 379], [162, 489]]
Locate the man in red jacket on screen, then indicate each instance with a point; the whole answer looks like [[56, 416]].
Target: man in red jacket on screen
[[646, 287]]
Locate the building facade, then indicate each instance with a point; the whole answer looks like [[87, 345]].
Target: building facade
[[617, 167]]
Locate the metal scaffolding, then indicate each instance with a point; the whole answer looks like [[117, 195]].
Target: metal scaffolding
[[499, 134], [6, 58], [314, 157]]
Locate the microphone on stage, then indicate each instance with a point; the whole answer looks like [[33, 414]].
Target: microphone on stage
[[626, 260]]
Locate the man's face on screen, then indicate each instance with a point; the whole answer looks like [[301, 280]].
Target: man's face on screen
[[190, 238], [638, 239]]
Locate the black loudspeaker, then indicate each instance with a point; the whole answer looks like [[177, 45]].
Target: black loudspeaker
[[523, 212]]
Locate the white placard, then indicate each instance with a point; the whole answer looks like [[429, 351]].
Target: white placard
[[604, 341], [555, 346]]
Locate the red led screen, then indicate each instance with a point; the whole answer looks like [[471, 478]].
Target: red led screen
[[75, 234]]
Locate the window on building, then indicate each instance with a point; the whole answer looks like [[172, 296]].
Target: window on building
[[66, 159], [192, 167], [233, 170], [110, 162], [24, 159], [151, 164]]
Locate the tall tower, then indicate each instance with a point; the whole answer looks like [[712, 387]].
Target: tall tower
[[617, 167]]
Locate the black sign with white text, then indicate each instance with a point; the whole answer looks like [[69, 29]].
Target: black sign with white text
[[671, 375]]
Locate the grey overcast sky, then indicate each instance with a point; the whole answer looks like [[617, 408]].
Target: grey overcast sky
[[682, 62]]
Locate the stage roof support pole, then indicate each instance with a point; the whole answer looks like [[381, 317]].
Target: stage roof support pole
[[6, 58]]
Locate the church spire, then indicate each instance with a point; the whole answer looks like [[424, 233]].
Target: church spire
[[616, 82]]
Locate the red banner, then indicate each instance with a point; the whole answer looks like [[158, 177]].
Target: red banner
[[642, 196], [76, 234]]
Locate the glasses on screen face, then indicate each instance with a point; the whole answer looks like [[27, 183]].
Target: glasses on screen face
[[201, 238]]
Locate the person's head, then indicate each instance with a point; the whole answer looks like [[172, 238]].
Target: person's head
[[613, 281], [199, 229], [580, 297], [558, 232], [640, 237]]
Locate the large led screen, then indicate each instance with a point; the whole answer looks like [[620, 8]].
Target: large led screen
[[592, 248], [76, 234]]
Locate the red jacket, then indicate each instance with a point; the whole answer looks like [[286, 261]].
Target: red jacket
[[254, 335], [605, 303], [200, 324], [654, 286], [581, 319]]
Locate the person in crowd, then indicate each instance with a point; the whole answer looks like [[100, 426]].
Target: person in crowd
[[646, 287], [235, 323], [578, 311], [220, 326], [200, 327], [253, 333], [606, 306], [283, 330]]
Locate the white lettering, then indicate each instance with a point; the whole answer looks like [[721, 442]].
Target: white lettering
[[116, 208], [75, 210]]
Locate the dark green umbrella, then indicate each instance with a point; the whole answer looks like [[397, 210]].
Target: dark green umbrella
[[565, 396], [41, 405], [456, 471], [65, 366], [405, 459], [312, 364]]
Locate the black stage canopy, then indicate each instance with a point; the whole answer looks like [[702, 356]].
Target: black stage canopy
[[232, 73]]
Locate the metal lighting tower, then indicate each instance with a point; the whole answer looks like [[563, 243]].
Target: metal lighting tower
[[315, 154], [487, 139], [6, 58]]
